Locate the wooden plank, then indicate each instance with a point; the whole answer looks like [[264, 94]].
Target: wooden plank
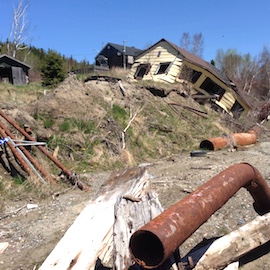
[[90, 236], [234, 245]]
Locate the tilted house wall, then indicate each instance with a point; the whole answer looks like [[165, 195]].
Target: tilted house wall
[[166, 62]]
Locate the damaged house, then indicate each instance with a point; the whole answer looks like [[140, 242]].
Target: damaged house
[[166, 62], [13, 71]]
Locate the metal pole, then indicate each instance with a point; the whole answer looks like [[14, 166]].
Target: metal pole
[[124, 55]]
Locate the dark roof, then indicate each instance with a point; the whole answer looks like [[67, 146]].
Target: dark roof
[[132, 51], [11, 60]]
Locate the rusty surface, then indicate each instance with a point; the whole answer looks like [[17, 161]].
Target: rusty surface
[[29, 156], [17, 155], [73, 178], [232, 140], [157, 240]]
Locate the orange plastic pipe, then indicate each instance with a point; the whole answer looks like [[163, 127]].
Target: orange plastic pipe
[[242, 139]]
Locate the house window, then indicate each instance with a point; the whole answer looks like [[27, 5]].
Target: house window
[[159, 53], [212, 88], [237, 109], [190, 74], [142, 70], [163, 68]]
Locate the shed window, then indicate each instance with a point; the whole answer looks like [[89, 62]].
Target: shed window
[[237, 109], [190, 74], [163, 68], [142, 70], [212, 88]]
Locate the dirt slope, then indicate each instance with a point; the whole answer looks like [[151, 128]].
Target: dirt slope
[[33, 232]]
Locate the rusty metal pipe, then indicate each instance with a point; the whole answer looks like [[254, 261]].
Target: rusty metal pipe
[[153, 244], [241, 139], [29, 156]]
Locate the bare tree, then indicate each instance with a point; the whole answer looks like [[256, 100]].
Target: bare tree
[[185, 41], [19, 28], [265, 68], [197, 44], [194, 45], [243, 70]]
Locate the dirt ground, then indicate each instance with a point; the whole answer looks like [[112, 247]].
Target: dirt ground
[[35, 227], [32, 227]]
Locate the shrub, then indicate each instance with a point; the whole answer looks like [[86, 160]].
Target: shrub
[[52, 71]]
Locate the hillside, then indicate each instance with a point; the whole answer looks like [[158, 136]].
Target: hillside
[[100, 125]]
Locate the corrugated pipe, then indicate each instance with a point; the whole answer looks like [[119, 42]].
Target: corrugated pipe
[[156, 241], [240, 139]]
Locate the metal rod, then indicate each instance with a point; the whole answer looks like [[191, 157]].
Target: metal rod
[[152, 244], [16, 154], [28, 155], [71, 175], [27, 161]]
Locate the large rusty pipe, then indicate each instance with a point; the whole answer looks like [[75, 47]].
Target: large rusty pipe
[[28, 155], [234, 139], [153, 244]]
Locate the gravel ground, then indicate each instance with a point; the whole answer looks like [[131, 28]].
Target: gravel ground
[[32, 233]]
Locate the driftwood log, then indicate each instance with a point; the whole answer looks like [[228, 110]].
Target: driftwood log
[[90, 236], [234, 245], [130, 215]]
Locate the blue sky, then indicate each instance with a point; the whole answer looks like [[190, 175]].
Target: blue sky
[[79, 28]]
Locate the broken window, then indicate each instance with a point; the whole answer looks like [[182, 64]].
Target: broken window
[[189, 74], [163, 68], [237, 109], [212, 88], [142, 70]]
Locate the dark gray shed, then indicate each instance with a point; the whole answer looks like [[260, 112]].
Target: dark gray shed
[[13, 70]]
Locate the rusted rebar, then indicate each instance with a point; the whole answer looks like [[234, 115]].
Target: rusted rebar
[[17, 155], [73, 178], [234, 139], [28, 155], [152, 244]]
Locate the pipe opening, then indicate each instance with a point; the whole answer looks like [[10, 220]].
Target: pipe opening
[[207, 145], [147, 249]]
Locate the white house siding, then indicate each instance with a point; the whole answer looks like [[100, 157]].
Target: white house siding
[[162, 53]]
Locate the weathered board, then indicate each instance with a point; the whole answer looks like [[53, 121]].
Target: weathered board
[[232, 246], [130, 215], [90, 236]]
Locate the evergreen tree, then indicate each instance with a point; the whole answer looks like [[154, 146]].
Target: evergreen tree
[[52, 71]]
